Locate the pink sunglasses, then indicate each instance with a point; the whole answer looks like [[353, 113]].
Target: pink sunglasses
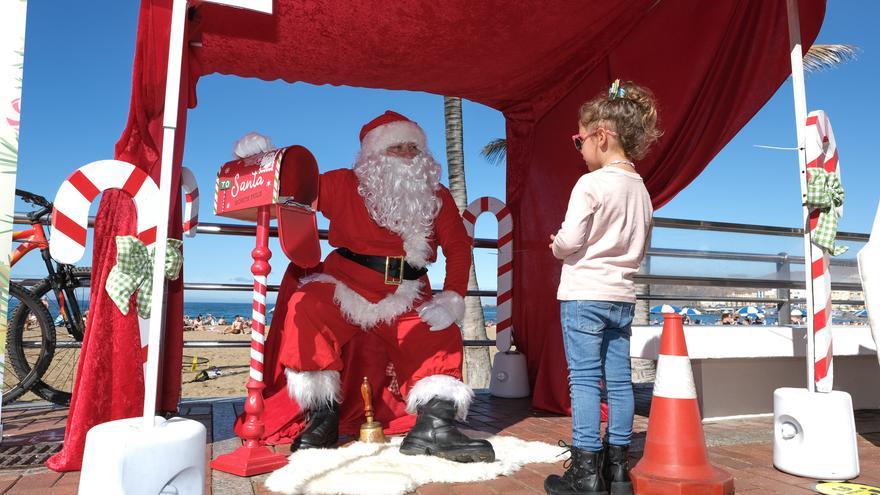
[[579, 140]]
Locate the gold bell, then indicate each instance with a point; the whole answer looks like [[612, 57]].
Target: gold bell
[[371, 431]]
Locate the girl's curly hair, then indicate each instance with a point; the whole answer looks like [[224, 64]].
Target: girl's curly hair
[[632, 116]]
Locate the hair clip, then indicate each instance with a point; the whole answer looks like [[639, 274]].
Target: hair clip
[[615, 91]]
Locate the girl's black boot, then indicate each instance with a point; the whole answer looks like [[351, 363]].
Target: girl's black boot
[[616, 470], [583, 475]]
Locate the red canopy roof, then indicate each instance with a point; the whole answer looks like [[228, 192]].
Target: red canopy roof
[[712, 66]]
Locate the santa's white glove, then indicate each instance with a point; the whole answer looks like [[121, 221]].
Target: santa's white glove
[[251, 144], [442, 310]]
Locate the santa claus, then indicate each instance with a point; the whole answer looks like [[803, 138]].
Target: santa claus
[[388, 214]]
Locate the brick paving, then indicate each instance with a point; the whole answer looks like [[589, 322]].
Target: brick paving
[[742, 447]]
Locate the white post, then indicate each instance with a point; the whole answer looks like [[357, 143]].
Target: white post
[[169, 123], [800, 115]]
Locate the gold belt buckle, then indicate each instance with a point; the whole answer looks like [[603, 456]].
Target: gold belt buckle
[[390, 279]]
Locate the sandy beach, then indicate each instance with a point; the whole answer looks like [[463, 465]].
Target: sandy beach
[[232, 362]]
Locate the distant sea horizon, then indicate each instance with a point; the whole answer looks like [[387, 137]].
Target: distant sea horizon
[[230, 310]]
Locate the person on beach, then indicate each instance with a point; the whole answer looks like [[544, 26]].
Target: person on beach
[[388, 215], [601, 244], [237, 325]]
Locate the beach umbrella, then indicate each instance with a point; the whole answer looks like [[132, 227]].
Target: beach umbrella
[[862, 313], [750, 311], [665, 308], [690, 312], [797, 312]]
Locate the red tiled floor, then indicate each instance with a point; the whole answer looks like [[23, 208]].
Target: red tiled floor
[[750, 463]]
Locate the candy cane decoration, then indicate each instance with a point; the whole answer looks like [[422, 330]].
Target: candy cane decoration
[[70, 215], [191, 206], [821, 153], [504, 326]]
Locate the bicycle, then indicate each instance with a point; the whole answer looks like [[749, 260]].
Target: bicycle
[[37, 351]]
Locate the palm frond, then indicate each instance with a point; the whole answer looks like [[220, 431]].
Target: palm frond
[[821, 57], [495, 151], [8, 153]]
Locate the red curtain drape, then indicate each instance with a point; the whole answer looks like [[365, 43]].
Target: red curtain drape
[[109, 382], [705, 96]]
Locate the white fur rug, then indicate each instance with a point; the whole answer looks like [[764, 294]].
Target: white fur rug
[[371, 469]]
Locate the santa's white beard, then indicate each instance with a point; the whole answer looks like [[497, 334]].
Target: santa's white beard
[[400, 195]]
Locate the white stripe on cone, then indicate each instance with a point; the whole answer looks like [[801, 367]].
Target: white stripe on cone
[[675, 378]]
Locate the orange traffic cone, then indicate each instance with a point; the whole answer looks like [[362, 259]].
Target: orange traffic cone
[[675, 461]]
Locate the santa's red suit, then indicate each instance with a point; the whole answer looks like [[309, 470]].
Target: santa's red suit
[[347, 297], [387, 217]]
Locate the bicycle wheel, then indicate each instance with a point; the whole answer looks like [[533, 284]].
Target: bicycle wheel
[[56, 383], [30, 342]]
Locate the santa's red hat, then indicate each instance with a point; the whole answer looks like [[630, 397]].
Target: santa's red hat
[[389, 129]]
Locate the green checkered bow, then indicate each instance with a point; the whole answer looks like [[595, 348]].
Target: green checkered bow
[[825, 193], [134, 272]]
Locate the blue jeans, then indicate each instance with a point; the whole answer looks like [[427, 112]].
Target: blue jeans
[[596, 337]]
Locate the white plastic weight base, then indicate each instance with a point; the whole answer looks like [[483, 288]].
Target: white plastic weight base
[[125, 457], [510, 378], [814, 434]]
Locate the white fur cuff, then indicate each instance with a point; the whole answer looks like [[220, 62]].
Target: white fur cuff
[[361, 312], [444, 387], [311, 389], [452, 302], [401, 131]]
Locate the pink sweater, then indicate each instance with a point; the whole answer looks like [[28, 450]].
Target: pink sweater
[[604, 236]]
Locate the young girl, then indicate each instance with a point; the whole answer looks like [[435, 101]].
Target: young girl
[[601, 243]]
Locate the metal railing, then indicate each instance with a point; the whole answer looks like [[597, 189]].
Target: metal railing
[[782, 261]]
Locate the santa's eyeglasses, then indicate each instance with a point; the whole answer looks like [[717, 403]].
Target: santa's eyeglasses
[[579, 140], [403, 149]]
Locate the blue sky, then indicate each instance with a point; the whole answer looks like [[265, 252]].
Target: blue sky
[[77, 80]]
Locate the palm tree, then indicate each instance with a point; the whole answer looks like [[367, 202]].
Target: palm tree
[[476, 359], [495, 151], [821, 57]]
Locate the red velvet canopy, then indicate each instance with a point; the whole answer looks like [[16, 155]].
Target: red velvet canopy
[[712, 65]]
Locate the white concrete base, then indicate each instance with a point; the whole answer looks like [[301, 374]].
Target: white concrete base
[[736, 369], [124, 457], [510, 379], [814, 434]]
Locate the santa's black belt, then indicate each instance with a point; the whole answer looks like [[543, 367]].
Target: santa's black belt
[[395, 268]]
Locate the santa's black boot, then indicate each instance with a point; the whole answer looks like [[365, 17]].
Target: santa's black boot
[[435, 434], [322, 431], [583, 475], [616, 470]]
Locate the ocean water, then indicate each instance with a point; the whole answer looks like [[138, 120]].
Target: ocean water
[[230, 310]]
